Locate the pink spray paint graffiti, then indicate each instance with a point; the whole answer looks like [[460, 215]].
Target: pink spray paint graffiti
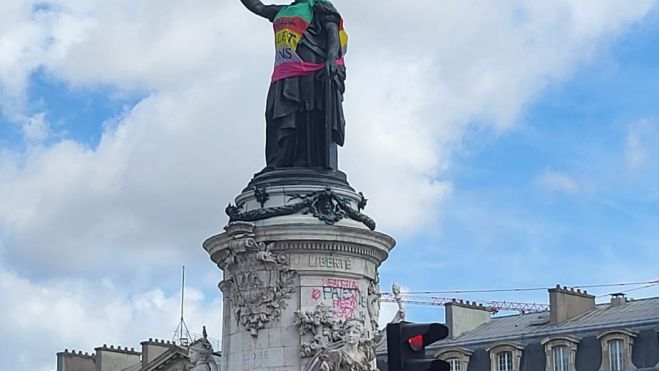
[[315, 294], [344, 295]]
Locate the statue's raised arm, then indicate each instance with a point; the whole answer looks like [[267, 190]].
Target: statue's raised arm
[[257, 7], [304, 107]]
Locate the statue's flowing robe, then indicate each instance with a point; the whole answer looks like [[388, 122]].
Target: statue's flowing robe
[[336, 359], [300, 109]]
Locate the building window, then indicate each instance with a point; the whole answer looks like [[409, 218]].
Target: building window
[[505, 356], [561, 358], [457, 357], [455, 364], [560, 351], [505, 361], [617, 349], [617, 355]]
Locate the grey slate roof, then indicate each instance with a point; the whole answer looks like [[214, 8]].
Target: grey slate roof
[[632, 314]]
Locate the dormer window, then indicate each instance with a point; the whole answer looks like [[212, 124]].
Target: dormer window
[[560, 352], [616, 354], [561, 358], [505, 361], [457, 357], [505, 356], [617, 350]]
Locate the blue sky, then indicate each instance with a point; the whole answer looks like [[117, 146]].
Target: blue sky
[[604, 228], [504, 146]]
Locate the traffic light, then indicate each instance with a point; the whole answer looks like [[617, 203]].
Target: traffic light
[[406, 346]]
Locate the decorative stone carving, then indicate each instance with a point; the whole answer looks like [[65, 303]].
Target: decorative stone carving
[[352, 353], [259, 281], [363, 201], [261, 195], [200, 354], [400, 315], [374, 306], [325, 205], [318, 329]]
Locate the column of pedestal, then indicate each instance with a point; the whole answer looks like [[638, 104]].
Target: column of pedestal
[[330, 266]]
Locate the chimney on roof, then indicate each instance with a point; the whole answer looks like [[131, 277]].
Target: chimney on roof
[[151, 349], [110, 359], [618, 299], [72, 361], [463, 317], [567, 303]]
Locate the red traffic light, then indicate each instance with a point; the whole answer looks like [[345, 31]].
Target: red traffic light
[[406, 346], [416, 342]]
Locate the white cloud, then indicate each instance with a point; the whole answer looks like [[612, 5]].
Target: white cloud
[[640, 135], [558, 181], [159, 180], [35, 128], [44, 318], [421, 74], [410, 98]]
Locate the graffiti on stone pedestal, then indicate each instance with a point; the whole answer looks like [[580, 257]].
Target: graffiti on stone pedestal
[[343, 295]]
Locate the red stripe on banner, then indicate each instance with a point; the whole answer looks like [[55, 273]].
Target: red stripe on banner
[[292, 69], [295, 24]]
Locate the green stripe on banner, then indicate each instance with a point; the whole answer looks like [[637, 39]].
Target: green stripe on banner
[[302, 10]]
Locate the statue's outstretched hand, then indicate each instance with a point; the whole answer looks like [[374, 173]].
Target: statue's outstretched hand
[[257, 7]]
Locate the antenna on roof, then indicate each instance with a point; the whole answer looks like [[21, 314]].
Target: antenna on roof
[[182, 334]]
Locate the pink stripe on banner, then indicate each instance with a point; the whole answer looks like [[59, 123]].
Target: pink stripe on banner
[[292, 69]]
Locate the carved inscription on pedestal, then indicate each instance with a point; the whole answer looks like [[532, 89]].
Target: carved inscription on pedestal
[[330, 262]]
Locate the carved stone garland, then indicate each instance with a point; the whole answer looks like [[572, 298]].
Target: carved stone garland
[[259, 281], [325, 205]]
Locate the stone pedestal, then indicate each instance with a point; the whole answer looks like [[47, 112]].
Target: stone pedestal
[[299, 258]]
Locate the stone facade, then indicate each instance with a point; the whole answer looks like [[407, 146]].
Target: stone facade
[[155, 354], [299, 260], [574, 335]]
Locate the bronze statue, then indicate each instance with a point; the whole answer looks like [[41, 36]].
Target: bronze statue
[[304, 113]]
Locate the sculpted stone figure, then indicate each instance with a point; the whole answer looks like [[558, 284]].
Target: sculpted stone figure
[[400, 314], [304, 113], [350, 354], [318, 329], [200, 354], [374, 304]]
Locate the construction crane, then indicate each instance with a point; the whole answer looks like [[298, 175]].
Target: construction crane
[[492, 306]]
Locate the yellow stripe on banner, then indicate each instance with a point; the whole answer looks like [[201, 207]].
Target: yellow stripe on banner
[[344, 38], [287, 38]]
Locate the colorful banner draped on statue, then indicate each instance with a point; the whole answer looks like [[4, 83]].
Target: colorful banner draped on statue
[[290, 24]]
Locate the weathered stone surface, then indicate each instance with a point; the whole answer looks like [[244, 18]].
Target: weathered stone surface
[[329, 265]]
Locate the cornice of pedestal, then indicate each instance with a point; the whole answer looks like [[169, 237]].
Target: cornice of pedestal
[[335, 238], [304, 238]]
